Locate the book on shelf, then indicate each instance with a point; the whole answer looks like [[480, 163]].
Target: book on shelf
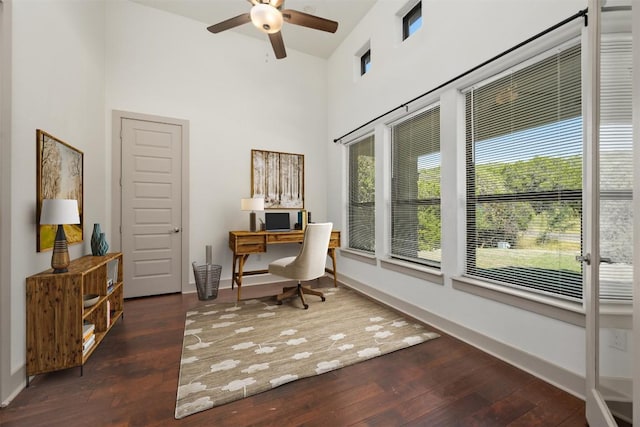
[[87, 345], [87, 330], [108, 312]]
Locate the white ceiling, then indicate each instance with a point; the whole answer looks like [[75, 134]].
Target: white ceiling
[[313, 42]]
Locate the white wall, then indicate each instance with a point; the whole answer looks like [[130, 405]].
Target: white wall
[[6, 388], [236, 97], [58, 86], [456, 35]]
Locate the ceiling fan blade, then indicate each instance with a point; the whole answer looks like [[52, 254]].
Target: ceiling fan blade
[[278, 45], [310, 21], [230, 23]]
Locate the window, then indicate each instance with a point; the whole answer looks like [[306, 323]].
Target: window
[[524, 177], [362, 186], [616, 169], [365, 62], [415, 189], [412, 21]]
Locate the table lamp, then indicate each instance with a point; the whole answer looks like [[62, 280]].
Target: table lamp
[[255, 204], [59, 212]]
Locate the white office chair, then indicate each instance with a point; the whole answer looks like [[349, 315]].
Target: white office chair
[[308, 265]]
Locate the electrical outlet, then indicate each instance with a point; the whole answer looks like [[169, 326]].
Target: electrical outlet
[[618, 339]]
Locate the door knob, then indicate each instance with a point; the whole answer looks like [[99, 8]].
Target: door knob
[[176, 229]]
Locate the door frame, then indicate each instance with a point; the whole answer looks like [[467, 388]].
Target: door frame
[[635, 33], [597, 411], [116, 183]]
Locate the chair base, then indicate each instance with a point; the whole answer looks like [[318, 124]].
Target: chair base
[[300, 291]]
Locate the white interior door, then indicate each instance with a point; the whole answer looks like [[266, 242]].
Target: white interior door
[[151, 200]]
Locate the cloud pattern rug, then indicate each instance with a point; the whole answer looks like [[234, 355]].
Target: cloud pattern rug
[[234, 350]]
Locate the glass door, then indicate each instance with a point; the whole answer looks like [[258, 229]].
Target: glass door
[[609, 215]]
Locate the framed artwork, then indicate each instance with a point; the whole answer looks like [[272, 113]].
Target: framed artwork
[[59, 176], [278, 178]]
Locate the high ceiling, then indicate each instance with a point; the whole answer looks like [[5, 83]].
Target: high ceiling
[[317, 43]]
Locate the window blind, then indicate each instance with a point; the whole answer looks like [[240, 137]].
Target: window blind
[[415, 192], [616, 168], [524, 176], [362, 184]]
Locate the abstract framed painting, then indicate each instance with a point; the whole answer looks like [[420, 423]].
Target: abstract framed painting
[[278, 178], [60, 170]]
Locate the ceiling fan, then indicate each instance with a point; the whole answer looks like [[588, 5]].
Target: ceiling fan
[[268, 16]]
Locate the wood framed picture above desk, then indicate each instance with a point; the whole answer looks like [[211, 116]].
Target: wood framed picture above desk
[[245, 243], [278, 178]]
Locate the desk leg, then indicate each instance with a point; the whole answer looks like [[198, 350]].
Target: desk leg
[[332, 254], [233, 270], [243, 258]]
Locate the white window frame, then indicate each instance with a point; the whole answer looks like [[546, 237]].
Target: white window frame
[[348, 146], [426, 266]]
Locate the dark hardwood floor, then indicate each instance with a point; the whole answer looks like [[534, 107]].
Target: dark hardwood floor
[[131, 380]]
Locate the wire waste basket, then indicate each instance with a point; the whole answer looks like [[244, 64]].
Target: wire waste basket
[[207, 278]]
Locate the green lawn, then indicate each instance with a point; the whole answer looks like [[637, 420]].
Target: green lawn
[[547, 259], [530, 258]]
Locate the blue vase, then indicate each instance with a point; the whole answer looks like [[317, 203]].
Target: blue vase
[[102, 246], [95, 238]]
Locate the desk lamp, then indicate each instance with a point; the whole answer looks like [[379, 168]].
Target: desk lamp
[[255, 204], [59, 212]]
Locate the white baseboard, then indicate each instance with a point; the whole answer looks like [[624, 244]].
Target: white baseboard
[[565, 380], [257, 279], [20, 380]]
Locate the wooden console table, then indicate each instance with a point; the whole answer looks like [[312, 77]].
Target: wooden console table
[[245, 243], [56, 315]]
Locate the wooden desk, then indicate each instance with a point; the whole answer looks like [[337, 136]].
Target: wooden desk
[[245, 243]]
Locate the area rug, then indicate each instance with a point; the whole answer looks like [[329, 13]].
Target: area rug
[[234, 350]]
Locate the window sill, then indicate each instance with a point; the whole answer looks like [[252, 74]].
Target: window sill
[[612, 315], [415, 270], [359, 256]]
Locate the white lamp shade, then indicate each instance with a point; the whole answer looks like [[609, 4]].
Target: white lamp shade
[[267, 18], [256, 204], [59, 211]]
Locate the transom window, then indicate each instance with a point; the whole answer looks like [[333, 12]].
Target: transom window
[[365, 62], [412, 21]]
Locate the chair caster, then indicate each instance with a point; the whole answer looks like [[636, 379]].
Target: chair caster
[[323, 299], [306, 306]]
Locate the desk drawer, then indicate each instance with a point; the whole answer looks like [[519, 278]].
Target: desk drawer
[[334, 242], [290, 237], [249, 244]]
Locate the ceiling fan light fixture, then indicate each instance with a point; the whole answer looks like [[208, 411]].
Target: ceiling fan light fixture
[[266, 18]]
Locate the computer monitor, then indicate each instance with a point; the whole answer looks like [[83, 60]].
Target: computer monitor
[[277, 221]]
